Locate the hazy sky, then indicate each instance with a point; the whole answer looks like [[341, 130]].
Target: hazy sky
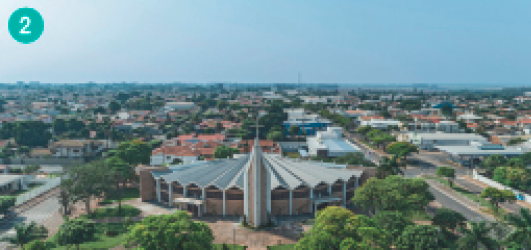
[[340, 41]]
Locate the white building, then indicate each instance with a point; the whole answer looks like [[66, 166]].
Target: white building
[[314, 99], [179, 105], [167, 155], [430, 127], [380, 124], [330, 143], [356, 113], [75, 148], [429, 141], [469, 118]]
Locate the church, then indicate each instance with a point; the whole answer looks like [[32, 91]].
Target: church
[[257, 185]]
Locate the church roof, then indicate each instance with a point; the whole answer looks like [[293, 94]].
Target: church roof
[[284, 172]]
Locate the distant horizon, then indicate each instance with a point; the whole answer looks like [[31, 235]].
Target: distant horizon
[[440, 86]]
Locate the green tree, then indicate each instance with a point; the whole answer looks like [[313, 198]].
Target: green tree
[[30, 169], [364, 130], [497, 196], [402, 149], [36, 245], [447, 110], [31, 133], [176, 161], [173, 231], [275, 136], [526, 158], [134, 152], [393, 193], [121, 172], [448, 173], [75, 232], [219, 127], [420, 237], [382, 139], [520, 237], [393, 222], [448, 219], [65, 197], [515, 141], [26, 233], [477, 236], [114, 106], [339, 228], [388, 167], [224, 152], [492, 162], [6, 203], [294, 130], [89, 181]]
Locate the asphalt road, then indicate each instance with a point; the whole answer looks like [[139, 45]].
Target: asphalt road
[[428, 162], [515, 208], [448, 202]]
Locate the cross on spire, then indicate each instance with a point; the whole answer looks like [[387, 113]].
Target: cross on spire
[[257, 126]]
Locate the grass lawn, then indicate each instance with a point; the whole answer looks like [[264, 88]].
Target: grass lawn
[[100, 241], [127, 194], [127, 211], [282, 247], [30, 187], [487, 206]]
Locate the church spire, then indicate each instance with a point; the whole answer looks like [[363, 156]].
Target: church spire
[[257, 139]]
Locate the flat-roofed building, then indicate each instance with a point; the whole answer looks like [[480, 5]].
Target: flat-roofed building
[[330, 143], [471, 155], [380, 123], [430, 141], [308, 123], [179, 106]]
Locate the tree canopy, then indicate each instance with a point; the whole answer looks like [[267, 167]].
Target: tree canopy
[[420, 237], [339, 228], [393, 193], [224, 152], [173, 231], [6, 203], [447, 172], [134, 152], [402, 149], [75, 232], [497, 196]]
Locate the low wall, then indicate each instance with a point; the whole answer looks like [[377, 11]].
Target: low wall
[[495, 184]]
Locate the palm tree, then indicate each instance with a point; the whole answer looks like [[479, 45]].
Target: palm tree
[[389, 167], [476, 236], [522, 224]]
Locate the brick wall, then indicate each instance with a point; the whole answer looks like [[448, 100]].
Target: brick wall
[[147, 183]]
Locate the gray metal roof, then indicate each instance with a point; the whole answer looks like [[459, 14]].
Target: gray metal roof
[[284, 172]]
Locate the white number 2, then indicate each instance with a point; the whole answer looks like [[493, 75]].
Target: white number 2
[[28, 21]]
